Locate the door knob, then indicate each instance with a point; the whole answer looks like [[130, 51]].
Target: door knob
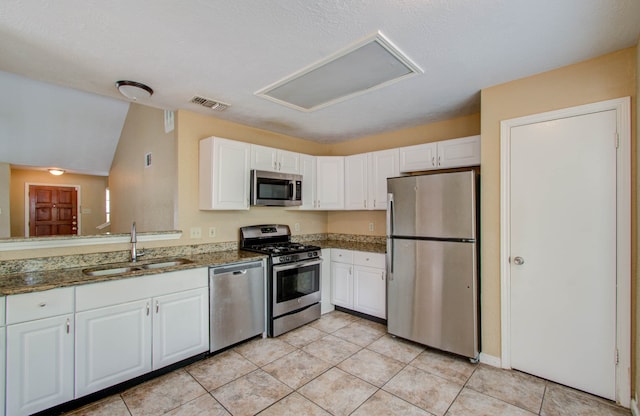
[[518, 261]]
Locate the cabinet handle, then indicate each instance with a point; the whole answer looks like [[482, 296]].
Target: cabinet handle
[[148, 309], [374, 203], [157, 306], [438, 160], [365, 203], [433, 161], [382, 276], [42, 304], [279, 165], [349, 270], [68, 326]]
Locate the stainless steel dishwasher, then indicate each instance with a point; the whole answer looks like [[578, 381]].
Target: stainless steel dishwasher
[[236, 303]]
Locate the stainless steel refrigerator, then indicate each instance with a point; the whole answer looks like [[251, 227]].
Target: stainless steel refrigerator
[[432, 260]]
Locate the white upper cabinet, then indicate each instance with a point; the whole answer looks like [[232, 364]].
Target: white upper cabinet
[[356, 182], [330, 182], [308, 172], [366, 179], [274, 160], [382, 165], [454, 153], [224, 174]]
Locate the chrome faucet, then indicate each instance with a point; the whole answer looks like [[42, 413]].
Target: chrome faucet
[[134, 240]]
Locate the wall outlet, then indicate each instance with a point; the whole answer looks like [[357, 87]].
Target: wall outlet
[[196, 232], [370, 226], [212, 232], [296, 226]]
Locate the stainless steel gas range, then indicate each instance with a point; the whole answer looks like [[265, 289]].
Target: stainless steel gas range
[[293, 276]]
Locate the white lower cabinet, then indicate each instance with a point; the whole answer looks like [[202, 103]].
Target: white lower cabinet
[[358, 281], [326, 305], [114, 345], [369, 291], [342, 284], [39, 364], [129, 327], [180, 326], [40, 350]]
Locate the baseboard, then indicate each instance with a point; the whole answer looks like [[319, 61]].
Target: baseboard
[[634, 408], [491, 360]]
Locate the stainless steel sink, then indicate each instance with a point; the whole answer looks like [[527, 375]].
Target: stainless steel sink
[[107, 271], [114, 269], [162, 263]]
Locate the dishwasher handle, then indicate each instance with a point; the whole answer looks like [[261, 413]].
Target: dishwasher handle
[[238, 268]]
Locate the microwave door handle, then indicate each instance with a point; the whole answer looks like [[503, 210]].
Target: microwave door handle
[[292, 191]]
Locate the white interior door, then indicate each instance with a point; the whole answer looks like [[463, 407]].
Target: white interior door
[[563, 251]]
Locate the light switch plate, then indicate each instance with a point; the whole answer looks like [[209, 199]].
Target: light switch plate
[[212, 232], [196, 232]]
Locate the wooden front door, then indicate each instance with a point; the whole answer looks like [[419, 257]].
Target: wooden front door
[[53, 210]]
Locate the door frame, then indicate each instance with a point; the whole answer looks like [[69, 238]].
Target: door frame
[[27, 203], [622, 106]]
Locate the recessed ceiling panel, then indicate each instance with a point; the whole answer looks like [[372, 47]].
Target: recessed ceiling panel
[[368, 65]]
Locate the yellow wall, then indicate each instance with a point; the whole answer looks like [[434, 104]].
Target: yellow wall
[[192, 127], [142, 194], [606, 77], [91, 197]]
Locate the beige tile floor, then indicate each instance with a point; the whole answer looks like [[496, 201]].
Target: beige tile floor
[[344, 365]]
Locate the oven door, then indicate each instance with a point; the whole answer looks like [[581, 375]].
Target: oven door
[[295, 286]]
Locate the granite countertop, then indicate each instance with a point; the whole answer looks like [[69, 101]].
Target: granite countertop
[[25, 282], [33, 281], [352, 245]]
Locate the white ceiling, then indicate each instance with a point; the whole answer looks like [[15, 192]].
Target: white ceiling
[[228, 50]]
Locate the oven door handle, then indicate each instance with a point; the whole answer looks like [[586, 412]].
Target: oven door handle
[[297, 264]]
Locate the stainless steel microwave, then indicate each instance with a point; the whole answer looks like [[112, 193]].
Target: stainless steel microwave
[[275, 189]]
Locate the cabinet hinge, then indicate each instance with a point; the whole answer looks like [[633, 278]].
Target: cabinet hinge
[[617, 357]]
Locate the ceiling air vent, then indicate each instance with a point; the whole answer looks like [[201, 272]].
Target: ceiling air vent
[[212, 104]]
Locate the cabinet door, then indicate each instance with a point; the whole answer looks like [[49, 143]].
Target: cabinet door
[[39, 364], [308, 172], [355, 182], [180, 326], [418, 157], [3, 356], [288, 162], [342, 284], [330, 182], [383, 164], [264, 158], [113, 345], [369, 291], [459, 152], [325, 284], [224, 174]]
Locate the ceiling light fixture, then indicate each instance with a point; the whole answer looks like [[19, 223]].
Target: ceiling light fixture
[[369, 64], [134, 90], [56, 172]]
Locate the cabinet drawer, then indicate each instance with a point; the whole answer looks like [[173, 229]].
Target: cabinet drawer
[[37, 305], [343, 256], [361, 258]]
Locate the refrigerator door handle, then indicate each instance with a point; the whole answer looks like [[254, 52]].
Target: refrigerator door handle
[[390, 236]]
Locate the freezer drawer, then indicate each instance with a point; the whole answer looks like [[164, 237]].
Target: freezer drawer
[[237, 303], [432, 294]]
